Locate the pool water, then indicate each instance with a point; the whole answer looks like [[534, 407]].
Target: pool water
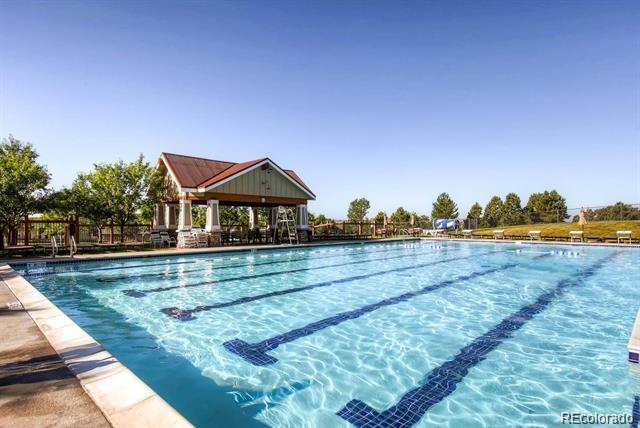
[[411, 333]]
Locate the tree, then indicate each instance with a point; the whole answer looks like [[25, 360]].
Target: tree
[[475, 212], [400, 216], [512, 212], [199, 215], [423, 220], [358, 209], [23, 183], [321, 219], [234, 215], [86, 200], [546, 207], [493, 212], [444, 207], [124, 189], [379, 218]]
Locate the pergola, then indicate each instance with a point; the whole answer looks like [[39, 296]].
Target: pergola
[[260, 183]]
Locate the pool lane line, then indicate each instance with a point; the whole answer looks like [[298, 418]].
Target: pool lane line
[[356, 252], [26, 274], [142, 293], [256, 353], [187, 314], [442, 381]]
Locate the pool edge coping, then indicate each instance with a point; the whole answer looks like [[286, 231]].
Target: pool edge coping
[[122, 397]]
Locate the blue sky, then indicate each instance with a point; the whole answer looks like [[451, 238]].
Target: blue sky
[[394, 101]]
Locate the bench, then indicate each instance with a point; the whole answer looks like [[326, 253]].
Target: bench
[[576, 235], [622, 235]]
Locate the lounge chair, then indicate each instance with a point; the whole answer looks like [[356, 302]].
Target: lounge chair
[[622, 235], [166, 239], [535, 234], [499, 233], [467, 233], [576, 235], [156, 240], [186, 239]]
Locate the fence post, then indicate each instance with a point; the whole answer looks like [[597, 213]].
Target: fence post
[[77, 231], [27, 230]]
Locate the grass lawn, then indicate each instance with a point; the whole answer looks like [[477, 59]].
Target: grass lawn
[[596, 230]]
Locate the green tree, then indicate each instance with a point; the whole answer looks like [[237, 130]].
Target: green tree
[[86, 200], [358, 209], [493, 212], [234, 215], [512, 212], [23, 183], [321, 219], [444, 207], [546, 207], [400, 216], [199, 215], [423, 221], [379, 218], [475, 212], [124, 188]]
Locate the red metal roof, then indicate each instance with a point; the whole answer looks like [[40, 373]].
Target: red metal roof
[[193, 172], [232, 170]]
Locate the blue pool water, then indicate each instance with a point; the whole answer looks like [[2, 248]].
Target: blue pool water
[[411, 333]]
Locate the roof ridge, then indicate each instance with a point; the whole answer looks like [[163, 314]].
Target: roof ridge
[[199, 157], [249, 163]]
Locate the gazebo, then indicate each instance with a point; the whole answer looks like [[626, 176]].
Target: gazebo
[[256, 184]]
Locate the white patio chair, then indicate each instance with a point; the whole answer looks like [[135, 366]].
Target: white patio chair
[[499, 233], [535, 234]]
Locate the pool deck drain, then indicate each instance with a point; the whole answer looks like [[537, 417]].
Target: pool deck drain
[[53, 373]]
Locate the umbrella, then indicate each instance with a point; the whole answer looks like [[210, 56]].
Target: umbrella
[[413, 220], [581, 218], [384, 221]]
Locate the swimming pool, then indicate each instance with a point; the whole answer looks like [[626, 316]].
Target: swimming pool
[[413, 333]]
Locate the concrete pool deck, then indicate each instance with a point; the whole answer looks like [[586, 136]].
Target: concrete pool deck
[[52, 373], [35, 384]]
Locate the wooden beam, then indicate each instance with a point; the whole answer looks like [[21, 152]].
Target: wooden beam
[[236, 199]]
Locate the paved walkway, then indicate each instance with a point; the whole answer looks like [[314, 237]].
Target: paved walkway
[[36, 387]]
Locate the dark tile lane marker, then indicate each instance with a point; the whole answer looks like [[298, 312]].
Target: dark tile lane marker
[[177, 272], [143, 293], [187, 314], [256, 353], [26, 273], [442, 381], [635, 412]]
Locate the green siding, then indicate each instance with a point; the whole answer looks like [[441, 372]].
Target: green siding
[[262, 183]]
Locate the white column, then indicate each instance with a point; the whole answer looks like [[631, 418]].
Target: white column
[[159, 217], [302, 221], [254, 221], [184, 221], [170, 215], [213, 216]]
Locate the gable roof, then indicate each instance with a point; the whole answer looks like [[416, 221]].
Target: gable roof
[[195, 173]]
